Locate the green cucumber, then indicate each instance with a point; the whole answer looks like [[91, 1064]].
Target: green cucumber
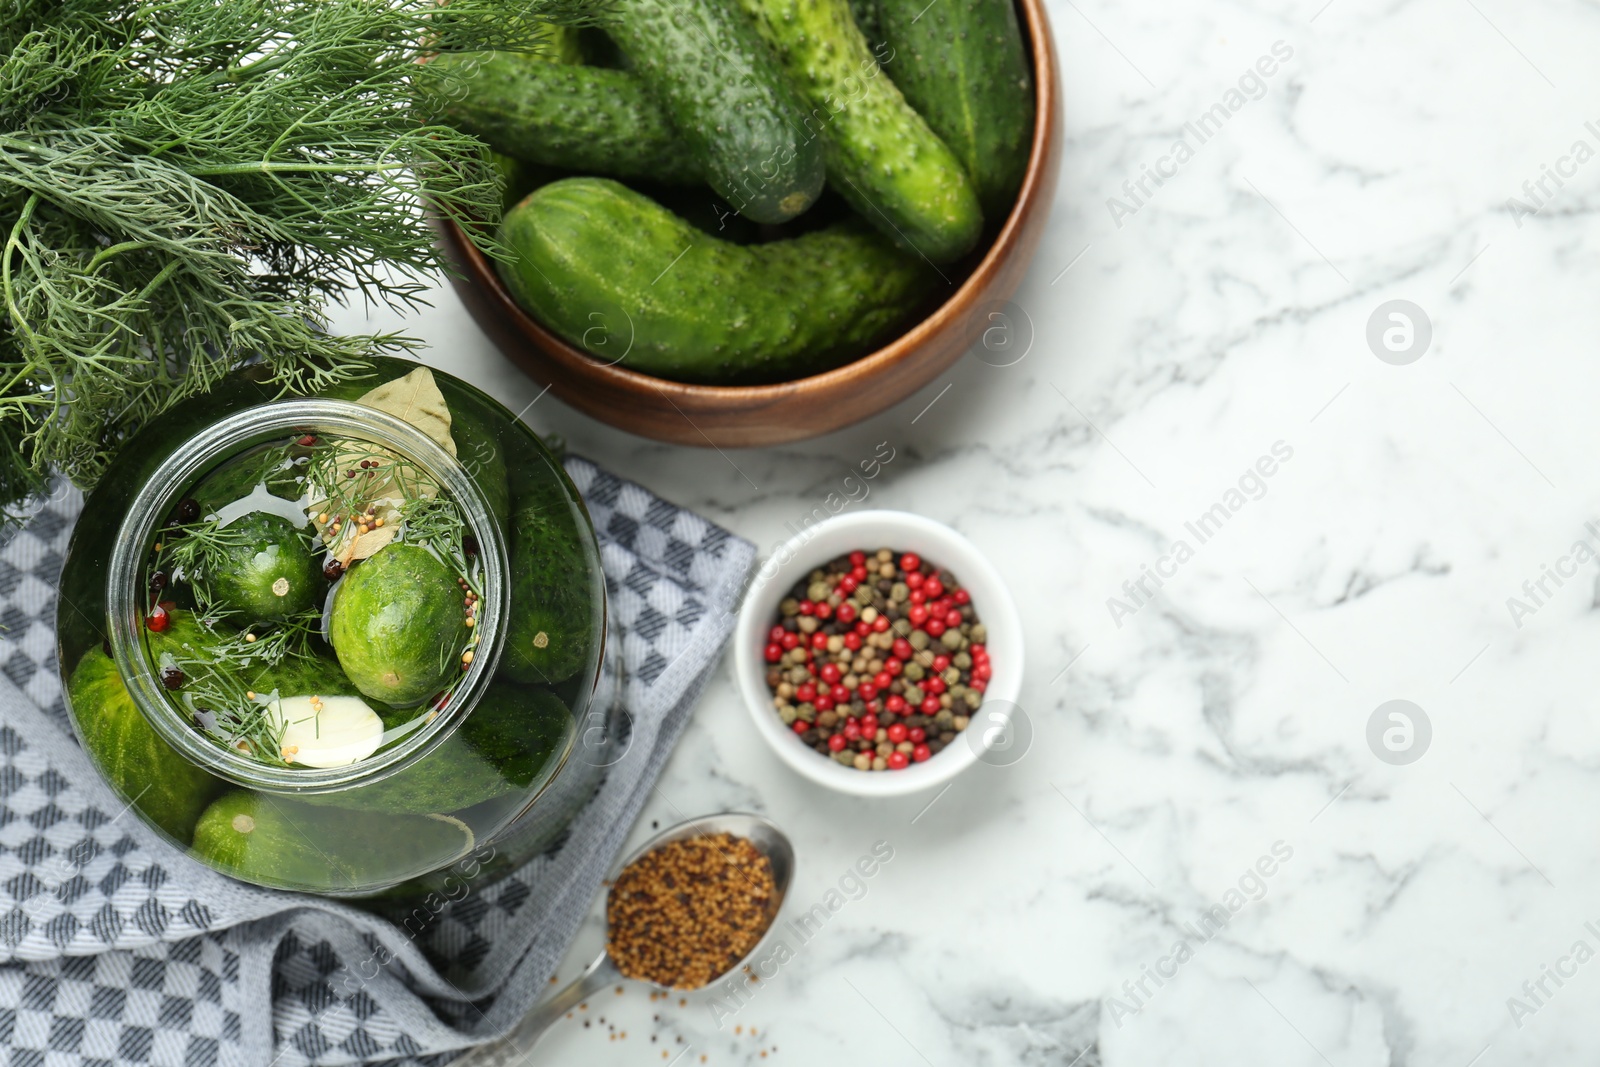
[[508, 741], [263, 570], [167, 789], [277, 841], [730, 100], [882, 157], [611, 270], [554, 588], [865, 13], [963, 64], [579, 118], [397, 624]]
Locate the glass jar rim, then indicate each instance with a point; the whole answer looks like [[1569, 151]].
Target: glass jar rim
[[232, 433]]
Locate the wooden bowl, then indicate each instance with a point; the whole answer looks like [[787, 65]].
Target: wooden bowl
[[754, 415]]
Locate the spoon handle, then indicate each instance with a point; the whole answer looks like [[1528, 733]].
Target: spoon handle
[[512, 1050]]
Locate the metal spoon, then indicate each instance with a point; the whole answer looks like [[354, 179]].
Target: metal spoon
[[600, 974]]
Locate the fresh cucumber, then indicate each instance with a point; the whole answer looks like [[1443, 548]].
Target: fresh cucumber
[[963, 65], [867, 21], [882, 157], [580, 118], [732, 103], [615, 273]]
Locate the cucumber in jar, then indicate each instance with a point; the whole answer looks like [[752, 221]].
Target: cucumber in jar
[[397, 624]]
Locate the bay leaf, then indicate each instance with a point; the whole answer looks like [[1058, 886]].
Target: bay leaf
[[415, 399]]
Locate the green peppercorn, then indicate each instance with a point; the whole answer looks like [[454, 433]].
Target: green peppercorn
[[789, 607], [915, 671], [945, 718], [962, 660], [919, 639], [899, 591], [979, 633], [951, 639], [806, 712], [972, 698]]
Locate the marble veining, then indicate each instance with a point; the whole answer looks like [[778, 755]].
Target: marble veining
[[1436, 911]]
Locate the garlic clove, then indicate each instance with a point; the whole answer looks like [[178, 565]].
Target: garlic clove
[[333, 731]]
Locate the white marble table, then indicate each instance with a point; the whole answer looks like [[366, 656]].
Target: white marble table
[[1182, 735]]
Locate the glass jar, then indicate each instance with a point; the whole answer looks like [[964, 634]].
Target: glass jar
[[344, 643]]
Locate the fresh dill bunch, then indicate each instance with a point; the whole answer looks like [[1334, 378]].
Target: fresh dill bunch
[[186, 184]]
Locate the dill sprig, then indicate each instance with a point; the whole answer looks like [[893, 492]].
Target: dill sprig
[[186, 184]]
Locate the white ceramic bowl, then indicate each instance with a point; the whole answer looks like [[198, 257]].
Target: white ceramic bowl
[[870, 530]]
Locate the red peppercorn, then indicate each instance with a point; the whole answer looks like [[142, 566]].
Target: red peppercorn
[[847, 613], [874, 706], [941, 663], [819, 641], [863, 628], [774, 653], [857, 558], [840, 694], [910, 562], [836, 743], [823, 611], [829, 673], [801, 726], [805, 692], [852, 641], [789, 640], [921, 752], [916, 735], [776, 633], [962, 596], [918, 615], [869, 726], [158, 620], [807, 607], [897, 732], [852, 732], [894, 667], [823, 702], [979, 651], [933, 685], [917, 596], [952, 619], [897, 761], [881, 680], [847, 585], [902, 649], [933, 587], [880, 624], [935, 627], [897, 704], [982, 672], [980, 684], [931, 705]]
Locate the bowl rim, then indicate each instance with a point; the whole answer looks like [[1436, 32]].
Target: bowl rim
[[882, 527], [1034, 23]]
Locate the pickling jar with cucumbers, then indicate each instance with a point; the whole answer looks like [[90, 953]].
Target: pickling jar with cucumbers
[[346, 642]]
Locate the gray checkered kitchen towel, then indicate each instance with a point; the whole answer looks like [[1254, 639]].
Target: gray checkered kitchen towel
[[116, 949]]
